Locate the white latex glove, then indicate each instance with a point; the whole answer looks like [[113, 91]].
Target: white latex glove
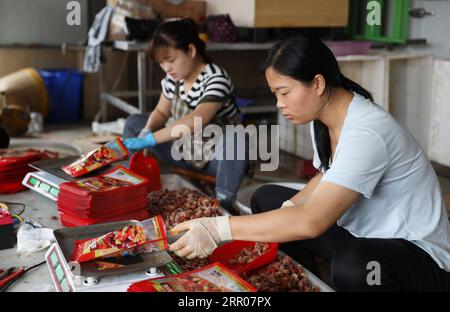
[[203, 236], [288, 203]]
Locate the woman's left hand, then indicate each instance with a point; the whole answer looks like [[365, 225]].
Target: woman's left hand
[[140, 143]]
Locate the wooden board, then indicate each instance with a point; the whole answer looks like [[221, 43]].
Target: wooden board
[[301, 13]]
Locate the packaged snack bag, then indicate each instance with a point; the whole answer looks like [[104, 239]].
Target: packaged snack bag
[[117, 195], [213, 278], [104, 155], [14, 167], [149, 235], [119, 178]]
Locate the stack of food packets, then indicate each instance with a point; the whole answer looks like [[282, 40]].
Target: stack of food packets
[[117, 195], [140, 237], [104, 155], [14, 167], [212, 278]]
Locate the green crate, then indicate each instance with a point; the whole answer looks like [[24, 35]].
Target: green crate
[[394, 21]]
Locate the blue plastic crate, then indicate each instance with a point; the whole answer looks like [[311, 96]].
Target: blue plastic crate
[[64, 87]]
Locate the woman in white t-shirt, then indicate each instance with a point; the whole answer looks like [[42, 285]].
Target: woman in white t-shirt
[[375, 209]]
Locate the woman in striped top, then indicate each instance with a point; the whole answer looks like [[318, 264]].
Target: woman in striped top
[[193, 87]]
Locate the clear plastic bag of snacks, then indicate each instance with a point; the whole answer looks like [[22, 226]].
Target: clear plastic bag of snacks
[[146, 236]]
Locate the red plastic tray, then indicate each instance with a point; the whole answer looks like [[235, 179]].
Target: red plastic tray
[[227, 252]]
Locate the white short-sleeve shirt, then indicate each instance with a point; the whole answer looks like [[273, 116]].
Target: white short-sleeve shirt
[[401, 195]]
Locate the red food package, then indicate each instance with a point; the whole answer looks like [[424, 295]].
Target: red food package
[[74, 221], [212, 278], [5, 216], [146, 236], [104, 155], [11, 188], [14, 167], [11, 157], [13, 160], [107, 184]]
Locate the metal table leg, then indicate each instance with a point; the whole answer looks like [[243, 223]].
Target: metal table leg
[[103, 102], [142, 81]]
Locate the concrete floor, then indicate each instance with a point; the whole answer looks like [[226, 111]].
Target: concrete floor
[[287, 172]]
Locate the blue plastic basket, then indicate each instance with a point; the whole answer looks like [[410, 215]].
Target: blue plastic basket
[[64, 87]]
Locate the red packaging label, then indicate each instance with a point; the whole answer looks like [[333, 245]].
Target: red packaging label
[[117, 178], [213, 278], [104, 155], [148, 235]]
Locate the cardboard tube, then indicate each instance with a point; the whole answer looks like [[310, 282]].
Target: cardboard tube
[[27, 84]]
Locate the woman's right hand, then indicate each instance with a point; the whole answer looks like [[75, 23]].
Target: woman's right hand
[[202, 237]]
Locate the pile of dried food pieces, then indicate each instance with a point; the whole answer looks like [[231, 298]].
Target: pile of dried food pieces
[[182, 205], [282, 274]]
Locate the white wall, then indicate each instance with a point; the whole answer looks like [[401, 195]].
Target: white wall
[[40, 22], [440, 105], [242, 11], [436, 29]]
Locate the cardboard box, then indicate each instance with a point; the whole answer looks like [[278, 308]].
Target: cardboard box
[[195, 10], [188, 9], [286, 13]]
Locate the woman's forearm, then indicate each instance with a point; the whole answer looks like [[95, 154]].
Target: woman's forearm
[[324, 207], [302, 196], [156, 120], [165, 134], [280, 225], [205, 115], [159, 115]]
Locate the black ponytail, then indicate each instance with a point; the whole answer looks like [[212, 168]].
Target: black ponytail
[[321, 133], [350, 85], [302, 58], [178, 34]]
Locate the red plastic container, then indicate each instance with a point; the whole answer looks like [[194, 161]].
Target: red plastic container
[[147, 167], [225, 253]]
